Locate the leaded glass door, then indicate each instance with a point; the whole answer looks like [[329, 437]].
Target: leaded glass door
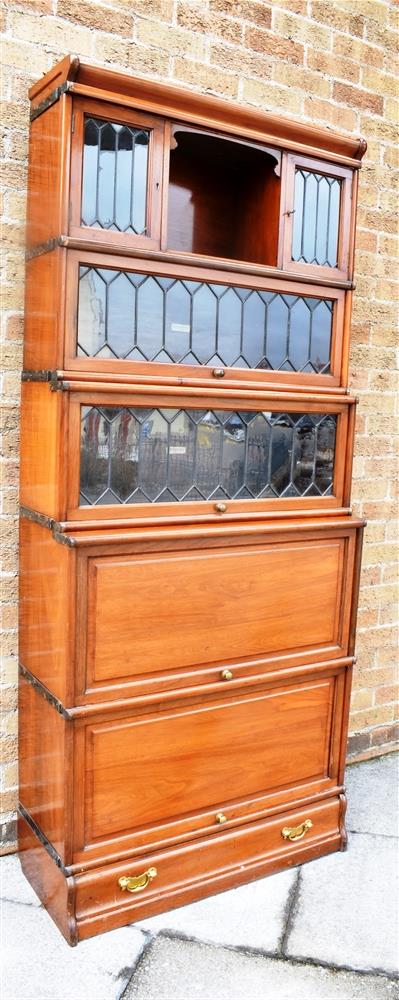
[[315, 229], [117, 176]]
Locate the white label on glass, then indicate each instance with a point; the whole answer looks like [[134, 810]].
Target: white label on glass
[[177, 449], [180, 327]]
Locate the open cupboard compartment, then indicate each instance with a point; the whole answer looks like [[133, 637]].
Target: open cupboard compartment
[[235, 185], [141, 181], [189, 559]]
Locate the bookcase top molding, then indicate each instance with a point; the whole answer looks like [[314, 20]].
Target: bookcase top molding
[[80, 79]]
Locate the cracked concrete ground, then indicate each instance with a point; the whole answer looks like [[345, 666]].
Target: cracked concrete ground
[[328, 929]]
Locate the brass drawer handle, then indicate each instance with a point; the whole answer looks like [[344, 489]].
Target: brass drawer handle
[[218, 373], [221, 818], [226, 675], [220, 508], [133, 883], [296, 832]]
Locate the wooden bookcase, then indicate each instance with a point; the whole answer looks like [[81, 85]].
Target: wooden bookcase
[[189, 558]]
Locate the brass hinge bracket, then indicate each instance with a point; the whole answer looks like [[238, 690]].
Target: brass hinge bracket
[[44, 692], [52, 98], [43, 840], [47, 522], [42, 519], [56, 383], [41, 248], [35, 375]]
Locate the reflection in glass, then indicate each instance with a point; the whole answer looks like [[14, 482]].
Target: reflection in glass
[[150, 318], [208, 453], [150, 455], [114, 183], [316, 218], [95, 465]]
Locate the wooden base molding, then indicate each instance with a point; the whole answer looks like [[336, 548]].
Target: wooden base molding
[[88, 903]]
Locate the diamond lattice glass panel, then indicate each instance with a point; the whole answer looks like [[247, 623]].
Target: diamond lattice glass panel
[[150, 455], [149, 318], [114, 184], [316, 218]]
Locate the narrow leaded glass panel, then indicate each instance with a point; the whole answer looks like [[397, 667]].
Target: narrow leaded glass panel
[[137, 455], [114, 185], [144, 317], [316, 218]]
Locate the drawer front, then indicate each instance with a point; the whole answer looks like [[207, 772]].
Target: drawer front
[[149, 615], [156, 776], [205, 867]]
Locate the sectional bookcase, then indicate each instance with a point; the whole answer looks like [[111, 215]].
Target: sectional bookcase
[[189, 558]]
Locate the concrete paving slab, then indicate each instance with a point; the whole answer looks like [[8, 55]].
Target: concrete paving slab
[[373, 796], [188, 970], [252, 915], [13, 884], [39, 965], [346, 911]]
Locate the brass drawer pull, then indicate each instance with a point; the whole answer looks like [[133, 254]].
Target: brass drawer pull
[[218, 373], [133, 883], [221, 818], [220, 508], [226, 675], [296, 832]]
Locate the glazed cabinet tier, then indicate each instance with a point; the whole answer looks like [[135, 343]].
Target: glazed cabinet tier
[[102, 450], [104, 314]]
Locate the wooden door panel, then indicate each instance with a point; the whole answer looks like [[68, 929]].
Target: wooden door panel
[[172, 611], [167, 764]]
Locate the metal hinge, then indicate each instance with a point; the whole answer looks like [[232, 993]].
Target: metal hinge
[[33, 515], [57, 384], [63, 539], [47, 522], [41, 248], [29, 375], [51, 99]]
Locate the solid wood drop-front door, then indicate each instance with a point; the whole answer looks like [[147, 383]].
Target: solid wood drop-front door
[[189, 558]]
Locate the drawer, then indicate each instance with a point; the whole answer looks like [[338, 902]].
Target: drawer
[[167, 775], [210, 865], [175, 618]]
